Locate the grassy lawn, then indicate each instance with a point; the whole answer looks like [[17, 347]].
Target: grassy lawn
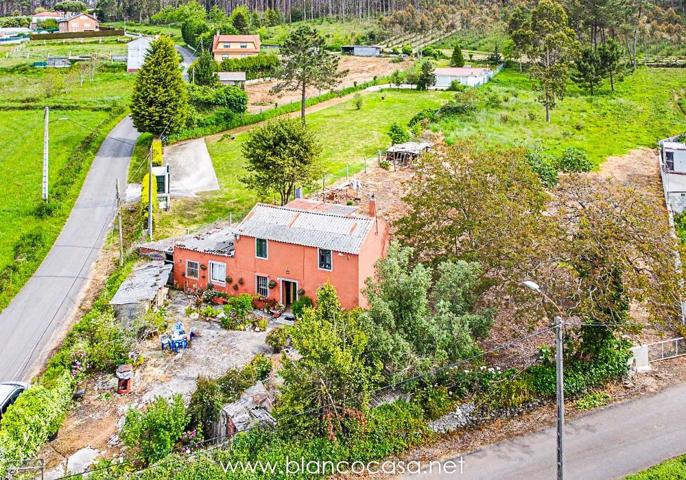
[[173, 31], [77, 112], [336, 32], [40, 50], [643, 110], [347, 136], [674, 469]]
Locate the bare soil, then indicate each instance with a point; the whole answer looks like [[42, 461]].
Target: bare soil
[[359, 69]]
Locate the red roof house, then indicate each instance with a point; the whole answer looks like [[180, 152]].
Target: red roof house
[[282, 253], [225, 47]]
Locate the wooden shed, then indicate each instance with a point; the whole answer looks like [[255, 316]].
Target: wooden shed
[[406, 153]]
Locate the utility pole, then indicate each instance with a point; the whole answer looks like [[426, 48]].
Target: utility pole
[[150, 209], [46, 143], [559, 355], [121, 235]]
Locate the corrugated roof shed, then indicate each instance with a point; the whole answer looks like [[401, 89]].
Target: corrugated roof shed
[[142, 284], [312, 229]]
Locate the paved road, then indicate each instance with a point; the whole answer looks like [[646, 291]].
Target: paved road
[[37, 316], [188, 58], [607, 444]]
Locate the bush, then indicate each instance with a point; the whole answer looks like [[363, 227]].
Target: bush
[[435, 401], [463, 103], [157, 152], [357, 101], [398, 134], [226, 96], [574, 160], [423, 117], [261, 366], [593, 400], [407, 49], [542, 165], [153, 433], [205, 405], [104, 344], [456, 86], [257, 66], [33, 419], [279, 338], [300, 305], [238, 312]]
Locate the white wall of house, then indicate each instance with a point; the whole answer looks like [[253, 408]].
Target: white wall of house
[[679, 159], [136, 53]]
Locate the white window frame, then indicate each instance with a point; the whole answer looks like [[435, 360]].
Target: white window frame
[[257, 284], [319, 263], [223, 279], [197, 269], [266, 248]]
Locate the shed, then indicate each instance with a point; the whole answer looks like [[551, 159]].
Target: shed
[[143, 289], [674, 155], [251, 410], [137, 49], [361, 50], [232, 78], [405, 153], [468, 76]]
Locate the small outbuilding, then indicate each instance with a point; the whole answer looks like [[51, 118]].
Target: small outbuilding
[[467, 76], [361, 50], [137, 49], [232, 78], [673, 172], [406, 153], [251, 410], [144, 288]]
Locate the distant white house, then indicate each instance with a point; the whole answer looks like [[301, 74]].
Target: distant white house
[[232, 78], [136, 55], [468, 76], [361, 50], [673, 172]]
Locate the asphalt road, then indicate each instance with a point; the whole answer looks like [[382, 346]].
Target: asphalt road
[[35, 319], [607, 444], [188, 58]]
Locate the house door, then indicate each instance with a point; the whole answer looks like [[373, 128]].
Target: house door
[[289, 292]]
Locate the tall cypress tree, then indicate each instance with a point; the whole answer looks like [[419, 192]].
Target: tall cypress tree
[[160, 99], [457, 60]]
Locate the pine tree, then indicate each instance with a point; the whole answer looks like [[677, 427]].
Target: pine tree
[[204, 70], [305, 62], [426, 76], [160, 100], [610, 60], [588, 72], [457, 60], [240, 19]]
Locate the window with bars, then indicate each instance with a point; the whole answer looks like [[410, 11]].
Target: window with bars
[[262, 286]]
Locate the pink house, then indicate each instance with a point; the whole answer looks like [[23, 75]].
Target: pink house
[[283, 253]]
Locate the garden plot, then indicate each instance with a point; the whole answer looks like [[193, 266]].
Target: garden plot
[[359, 70], [96, 419]]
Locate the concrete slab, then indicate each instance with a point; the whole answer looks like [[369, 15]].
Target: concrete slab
[[191, 166]]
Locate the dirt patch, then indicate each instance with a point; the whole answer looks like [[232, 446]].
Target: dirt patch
[[638, 168], [360, 70], [96, 418]]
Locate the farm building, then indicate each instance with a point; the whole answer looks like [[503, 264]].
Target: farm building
[[468, 76], [251, 410], [282, 253], [225, 47], [361, 50], [673, 172], [232, 78], [81, 22], [38, 18], [145, 288], [406, 153], [137, 49]]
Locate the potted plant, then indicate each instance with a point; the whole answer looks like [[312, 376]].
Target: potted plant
[[272, 283]]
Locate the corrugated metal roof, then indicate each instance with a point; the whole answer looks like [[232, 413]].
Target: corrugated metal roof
[[312, 229], [462, 71], [231, 76], [142, 284]]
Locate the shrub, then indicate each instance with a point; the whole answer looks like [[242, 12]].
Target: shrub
[[435, 401], [574, 160], [157, 152], [542, 165], [407, 49], [238, 311], [33, 419], [257, 66], [261, 324], [261, 366], [300, 304], [425, 116], [398, 134], [230, 97], [205, 405], [279, 338], [358, 101], [385, 164], [104, 343], [456, 86], [593, 400], [153, 433]]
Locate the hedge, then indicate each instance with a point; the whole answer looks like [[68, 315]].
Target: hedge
[[65, 35], [257, 66], [33, 419], [157, 152]]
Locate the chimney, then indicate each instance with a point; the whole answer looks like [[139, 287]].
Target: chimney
[[299, 192], [372, 206]]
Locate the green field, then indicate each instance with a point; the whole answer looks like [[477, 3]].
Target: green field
[[80, 118], [674, 469], [347, 136], [643, 110], [40, 50], [173, 31], [336, 32]]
